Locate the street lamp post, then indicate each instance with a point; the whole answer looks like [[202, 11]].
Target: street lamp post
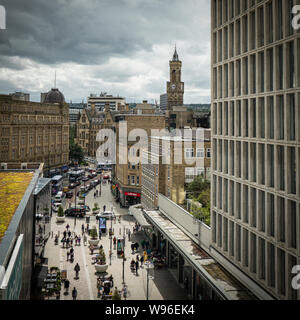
[[148, 266], [110, 236]]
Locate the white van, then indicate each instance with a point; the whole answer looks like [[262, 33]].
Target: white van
[[58, 197]]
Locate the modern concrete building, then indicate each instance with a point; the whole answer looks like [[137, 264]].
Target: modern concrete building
[[102, 99], [255, 193], [163, 103], [17, 228], [163, 173]]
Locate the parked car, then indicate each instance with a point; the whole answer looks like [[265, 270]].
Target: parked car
[[55, 206], [78, 212], [106, 176], [85, 178], [69, 194], [106, 214], [97, 182], [87, 208], [72, 185]]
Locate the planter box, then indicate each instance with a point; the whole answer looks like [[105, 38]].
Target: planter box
[[101, 267], [94, 242], [60, 219]]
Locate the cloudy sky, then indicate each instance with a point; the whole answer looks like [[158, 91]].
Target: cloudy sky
[[121, 47]]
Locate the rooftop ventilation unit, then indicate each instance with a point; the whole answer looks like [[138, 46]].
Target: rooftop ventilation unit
[[3, 166]]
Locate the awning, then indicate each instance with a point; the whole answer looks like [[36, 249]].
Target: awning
[[139, 216]]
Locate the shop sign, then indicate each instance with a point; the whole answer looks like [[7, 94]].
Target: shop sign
[[133, 194]]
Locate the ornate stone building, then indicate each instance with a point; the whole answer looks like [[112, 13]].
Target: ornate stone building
[[175, 87], [35, 132]]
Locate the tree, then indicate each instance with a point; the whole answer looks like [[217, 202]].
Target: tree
[[76, 153], [60, 212], [197, 186]]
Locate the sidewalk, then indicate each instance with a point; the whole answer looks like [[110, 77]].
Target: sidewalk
[[162, 287]]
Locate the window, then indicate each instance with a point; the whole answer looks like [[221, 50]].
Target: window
[[200, 152], [262, 255], [208, 153], [132, 179], [137, 180], [189, 153], [189, 175], [128, 180], [200, 171]]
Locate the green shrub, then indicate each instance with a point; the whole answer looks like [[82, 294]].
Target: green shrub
[[60, 212], [94, 233]]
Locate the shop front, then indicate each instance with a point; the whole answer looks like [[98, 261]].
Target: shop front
[[129, 197]]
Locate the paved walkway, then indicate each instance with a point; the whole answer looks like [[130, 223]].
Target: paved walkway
[[163, 287]]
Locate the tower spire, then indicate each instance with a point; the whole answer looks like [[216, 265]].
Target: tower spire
[[175, 55]]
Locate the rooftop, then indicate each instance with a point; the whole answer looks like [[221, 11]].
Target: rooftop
[[200, 259], [12, 188]]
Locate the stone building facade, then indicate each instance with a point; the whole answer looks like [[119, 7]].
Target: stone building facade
[[34, 132]]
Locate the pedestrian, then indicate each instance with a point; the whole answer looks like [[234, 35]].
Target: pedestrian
[[76, 238], [71, 250], [67, 227], [74, 293], [132, 248], [104, 207], [82, 228], [100, 233], [67, 285], [68, 253], [125, 292], [87, 228], [69, 234], [115, 241], [79, 238], [142, 260], [77, 269], [63, 242], [84, 239], [94, 195], [137, 257], [129, 234], [65, 233], [136, 267], [67, 243]]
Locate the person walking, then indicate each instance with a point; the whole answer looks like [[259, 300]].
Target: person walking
[[104, 207], [77, 269], [67, 285], [65, 233], [79, 238], [67, 243], [82, 228], [129, 234], [125, 292], [74, 293], [84, 239], [136, 267], [142, 260], [67, 227], [69, 234]]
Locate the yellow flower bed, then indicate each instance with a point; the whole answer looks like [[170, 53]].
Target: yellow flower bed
[[12, 188]]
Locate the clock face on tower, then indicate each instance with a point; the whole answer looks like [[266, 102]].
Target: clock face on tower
[[173, 86]]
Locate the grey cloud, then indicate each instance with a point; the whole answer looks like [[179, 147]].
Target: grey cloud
[[91, 31]]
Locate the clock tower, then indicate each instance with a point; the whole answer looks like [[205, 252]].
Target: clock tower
[[175, 88]]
